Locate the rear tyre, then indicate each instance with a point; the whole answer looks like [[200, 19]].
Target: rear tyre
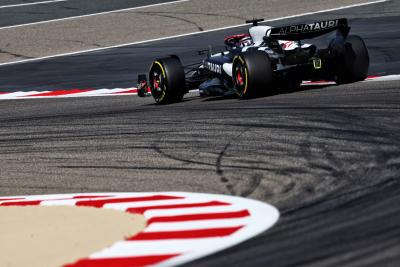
[[167, 80], [354, 63], [252, 74]]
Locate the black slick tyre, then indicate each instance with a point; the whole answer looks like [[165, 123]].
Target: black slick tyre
[[167, 80], [252, 74], [354, 63]]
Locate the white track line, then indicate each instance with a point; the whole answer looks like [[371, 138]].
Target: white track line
[[34, 3], [131, 91], [393, 77], [259, 217], [193, 225], [93, 14], [180, 35]]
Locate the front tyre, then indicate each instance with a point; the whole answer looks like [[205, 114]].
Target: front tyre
[[167, 80], [252, 74], [354, 63]]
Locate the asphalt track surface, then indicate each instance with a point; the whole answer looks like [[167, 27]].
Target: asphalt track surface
[[17, 15], [119, 67], [327, 157]]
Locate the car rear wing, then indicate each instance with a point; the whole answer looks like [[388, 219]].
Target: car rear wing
[[310, 30]]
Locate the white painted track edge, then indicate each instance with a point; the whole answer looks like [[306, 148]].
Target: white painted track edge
[[93, 14], [263, 217], [33, 3], [186, 34]]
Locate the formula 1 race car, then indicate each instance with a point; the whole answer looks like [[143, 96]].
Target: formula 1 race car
[[262, 62]]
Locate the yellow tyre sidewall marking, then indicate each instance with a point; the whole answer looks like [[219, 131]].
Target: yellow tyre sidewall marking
[[245, 73], [164, 76]]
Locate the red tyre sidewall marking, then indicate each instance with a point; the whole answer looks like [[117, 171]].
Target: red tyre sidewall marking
[[133, 90]]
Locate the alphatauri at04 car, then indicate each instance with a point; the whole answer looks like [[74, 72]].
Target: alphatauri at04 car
[[263, 61]]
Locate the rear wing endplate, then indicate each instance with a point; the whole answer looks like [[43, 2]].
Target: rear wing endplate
[[310, 30]]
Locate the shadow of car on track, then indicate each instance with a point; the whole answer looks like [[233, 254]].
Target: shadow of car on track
[[232, 95], [302, 88]]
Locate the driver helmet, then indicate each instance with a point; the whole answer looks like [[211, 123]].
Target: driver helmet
[[245, 41]]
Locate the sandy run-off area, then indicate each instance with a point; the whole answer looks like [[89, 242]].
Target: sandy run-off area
[[53, 236], [93, 32]]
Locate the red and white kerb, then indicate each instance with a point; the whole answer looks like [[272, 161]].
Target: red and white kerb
[[180, 227], [132, 91]]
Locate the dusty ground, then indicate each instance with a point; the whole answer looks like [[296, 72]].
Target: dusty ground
[[143, 24], [53, 236]]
